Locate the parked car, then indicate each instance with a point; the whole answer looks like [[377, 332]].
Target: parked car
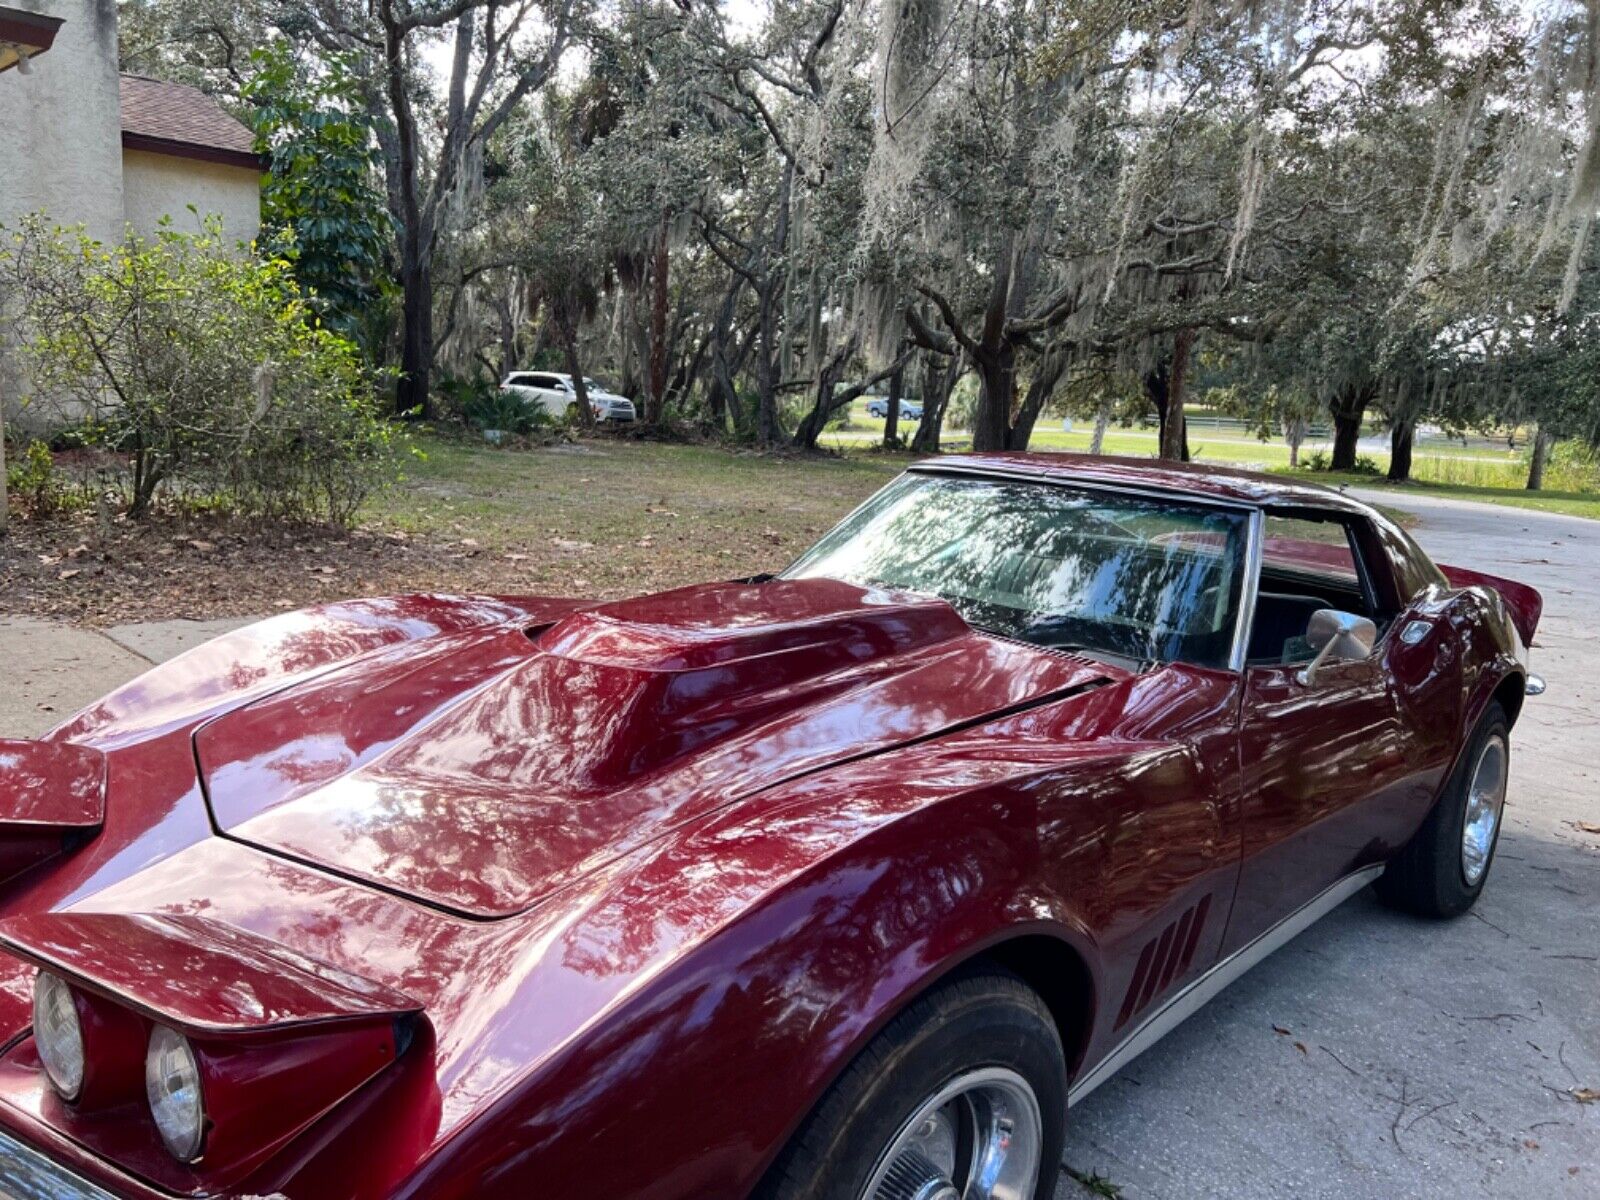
[[846, 882], [878, 406], [555, 393]]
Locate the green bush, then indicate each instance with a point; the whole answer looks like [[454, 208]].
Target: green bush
[[1365, 464], [33, 479], [490, 408], [205, 367], [1317, 460]]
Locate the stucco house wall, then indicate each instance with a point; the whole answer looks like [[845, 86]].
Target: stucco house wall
[[60, 128], [158, 185]]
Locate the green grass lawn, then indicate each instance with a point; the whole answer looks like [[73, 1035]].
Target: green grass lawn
[[609, 517], [1576, 504], [614, 516]]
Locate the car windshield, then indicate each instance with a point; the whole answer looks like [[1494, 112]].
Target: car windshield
[[1097, 571]]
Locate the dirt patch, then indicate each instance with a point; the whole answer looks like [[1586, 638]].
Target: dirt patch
[[562, 521]]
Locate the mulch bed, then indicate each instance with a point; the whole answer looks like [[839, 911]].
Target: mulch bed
[[72, 567]]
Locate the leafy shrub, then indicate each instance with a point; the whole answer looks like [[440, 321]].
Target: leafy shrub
[[1317, 460], [1573, 467], [203, 365], [33, 479], [1365, 464], [490, 408]]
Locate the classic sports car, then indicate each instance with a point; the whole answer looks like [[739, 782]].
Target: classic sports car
[[842, 883]]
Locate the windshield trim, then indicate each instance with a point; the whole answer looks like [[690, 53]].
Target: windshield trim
[[1255, 530]]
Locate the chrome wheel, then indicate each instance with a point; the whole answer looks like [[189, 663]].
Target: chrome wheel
[[978, 1138], [1486, 799]]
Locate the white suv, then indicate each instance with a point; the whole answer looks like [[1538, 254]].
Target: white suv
[[554, 393]]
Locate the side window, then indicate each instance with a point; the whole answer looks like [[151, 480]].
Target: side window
[[520, 381], [542, 381], [1307, 563]]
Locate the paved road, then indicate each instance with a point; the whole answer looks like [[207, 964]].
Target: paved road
[[1421, 1059]]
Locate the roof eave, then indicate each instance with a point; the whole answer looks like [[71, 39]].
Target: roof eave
[[176, 148]]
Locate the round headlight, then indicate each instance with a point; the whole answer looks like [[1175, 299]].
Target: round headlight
[[57, 1034], [172, 1082]]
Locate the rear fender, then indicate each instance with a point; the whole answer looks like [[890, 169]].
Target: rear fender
[[1523, 603]]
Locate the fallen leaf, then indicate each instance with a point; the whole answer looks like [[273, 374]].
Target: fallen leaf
[[1280, 1031], [516, 558], [80, 548], [69, 574], [1529, 1144], [203, 546], [569, 544], [1584, 1095], [470, 543], [1586, 826], [1301, 1046]]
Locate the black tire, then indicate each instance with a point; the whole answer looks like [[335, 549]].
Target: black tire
[[981, 1018], [1427, 877]]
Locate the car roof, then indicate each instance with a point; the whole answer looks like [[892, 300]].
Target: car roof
[[1208, 481]]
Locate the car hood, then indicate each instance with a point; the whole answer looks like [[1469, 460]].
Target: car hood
[[479, 770]]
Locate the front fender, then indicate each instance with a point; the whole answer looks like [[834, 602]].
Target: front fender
[[769, 944]]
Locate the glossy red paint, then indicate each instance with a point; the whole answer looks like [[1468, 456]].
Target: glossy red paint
[[49, 794], [631, 864]]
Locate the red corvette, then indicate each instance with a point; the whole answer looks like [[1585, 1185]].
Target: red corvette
[[841, 884]]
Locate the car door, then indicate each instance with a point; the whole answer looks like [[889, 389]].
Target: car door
[[1328, 777]]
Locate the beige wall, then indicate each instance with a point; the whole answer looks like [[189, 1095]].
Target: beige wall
[[60, 125], [60, 152], [158, 185]]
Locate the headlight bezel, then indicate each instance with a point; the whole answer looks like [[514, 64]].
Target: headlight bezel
[[180, 1124], [50, 992]]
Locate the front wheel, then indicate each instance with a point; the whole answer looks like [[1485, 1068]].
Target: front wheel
[[961, 1097], [1442, 870]]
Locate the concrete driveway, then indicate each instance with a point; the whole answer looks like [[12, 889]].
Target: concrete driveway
[[1375, 1056], [1381, 1056]]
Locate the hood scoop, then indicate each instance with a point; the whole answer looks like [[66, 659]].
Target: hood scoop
[[485, 775]]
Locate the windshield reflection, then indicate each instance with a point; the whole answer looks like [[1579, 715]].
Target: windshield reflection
[[1128, 576]]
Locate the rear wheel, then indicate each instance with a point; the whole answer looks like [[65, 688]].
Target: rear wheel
[[961, 1097], [1442, 870]]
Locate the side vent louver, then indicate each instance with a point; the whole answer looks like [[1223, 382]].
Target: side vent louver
[[1163, 959]]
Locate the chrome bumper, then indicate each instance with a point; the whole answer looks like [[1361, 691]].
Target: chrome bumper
[[25, 1174]]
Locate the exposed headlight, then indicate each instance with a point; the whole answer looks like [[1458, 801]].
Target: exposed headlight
[[57, 1034], [172, 1082]]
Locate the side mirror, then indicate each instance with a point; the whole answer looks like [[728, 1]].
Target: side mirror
[[1336, 637]]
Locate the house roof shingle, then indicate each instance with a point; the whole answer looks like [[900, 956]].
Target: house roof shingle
[[173, 118]]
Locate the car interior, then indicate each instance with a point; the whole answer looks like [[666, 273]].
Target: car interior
[[1306, 564]]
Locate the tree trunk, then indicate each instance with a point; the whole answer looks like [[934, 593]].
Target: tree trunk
[[1102, 420], [937, 385], [1400, 439], [1349, 409], [891, 419], [1294, 433], [1540, 457], [655, 410], [1046, 375], [5, 500], [768, 431], [580, 391], [416, 341], [1174, 434], [991, 422]]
